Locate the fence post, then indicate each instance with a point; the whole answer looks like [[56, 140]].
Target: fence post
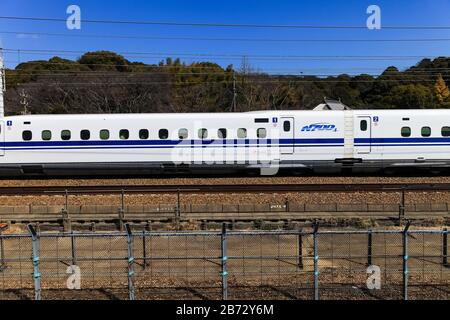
[[144, 250], [74, 249], [445, 248], [67, 224], [369, 247], [35, 260], [405, 260], [300, 248], [2, 253], [401, 211], [316, 261], [224, 262], [122, 211], [130, 262]]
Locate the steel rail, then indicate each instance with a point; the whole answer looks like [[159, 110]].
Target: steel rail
[[221, 188]]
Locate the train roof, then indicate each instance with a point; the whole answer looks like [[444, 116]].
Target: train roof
[[222, 114]]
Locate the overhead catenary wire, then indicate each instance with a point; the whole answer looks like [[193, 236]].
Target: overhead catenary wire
[[180, 38], [207, 82], [278, 58], [127, 74], [226, 55], [195, 66], [224, 25]]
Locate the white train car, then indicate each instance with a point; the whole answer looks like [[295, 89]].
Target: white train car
[[272, 141]]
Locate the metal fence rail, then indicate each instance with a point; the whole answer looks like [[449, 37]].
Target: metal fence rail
[[298, 264]]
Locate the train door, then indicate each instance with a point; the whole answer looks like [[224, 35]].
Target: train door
[[2, 138], [287, 135], [363, 134]]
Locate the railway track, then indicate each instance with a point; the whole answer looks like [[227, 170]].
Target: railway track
[[221, 188]]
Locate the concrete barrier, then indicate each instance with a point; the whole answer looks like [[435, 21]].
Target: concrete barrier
[[262, 208], [21, 209], [352, 207], [375, 208], [214, 211], [296, 207], [439, 207], [246, 208], [320, 207], [149, 208], [230, 208]]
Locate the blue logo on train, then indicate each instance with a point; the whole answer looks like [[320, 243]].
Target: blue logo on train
[[319, 127]]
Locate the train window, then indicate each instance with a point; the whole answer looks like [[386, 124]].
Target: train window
[[426, 131], [287, 126], [242, 133], [222, 133], [143, 134], [203, 133], [445, 131], [183, 134], [46, 135], [262, 120], [104, 134], [27, 135], [163, 134], [406, 132], [124, 134], [65, 135], [363, 125], [262, 133], [85, 134]]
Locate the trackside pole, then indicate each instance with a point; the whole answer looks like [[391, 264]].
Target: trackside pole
[[402, 207], [224, 261], [122, 211], [316, 261], [144, 250], [74, 248], [369, 247], [35, 260], [131, 293], [2, 86], [2, 253], [405, 260], [300, 249], [445, 248]]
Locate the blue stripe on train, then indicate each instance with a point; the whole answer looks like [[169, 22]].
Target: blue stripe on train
[[143, 144], [186, 143]]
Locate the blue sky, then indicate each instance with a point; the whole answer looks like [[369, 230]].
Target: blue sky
[[290, 12]]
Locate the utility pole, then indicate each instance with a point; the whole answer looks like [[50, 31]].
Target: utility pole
[[2, 86], [233, 107], [24, 101]]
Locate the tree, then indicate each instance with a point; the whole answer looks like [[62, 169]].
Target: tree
[[105, 61], [441, 89], [411, 96]]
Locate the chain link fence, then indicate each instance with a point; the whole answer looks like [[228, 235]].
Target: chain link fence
[[298, 264]]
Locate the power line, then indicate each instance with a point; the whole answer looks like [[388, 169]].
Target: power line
[[231, 56], [127, 74], [299, 71], [224, 25], [80, 84], [102, 36]]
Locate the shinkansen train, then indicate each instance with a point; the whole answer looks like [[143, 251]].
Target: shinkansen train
[[327, 139]]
